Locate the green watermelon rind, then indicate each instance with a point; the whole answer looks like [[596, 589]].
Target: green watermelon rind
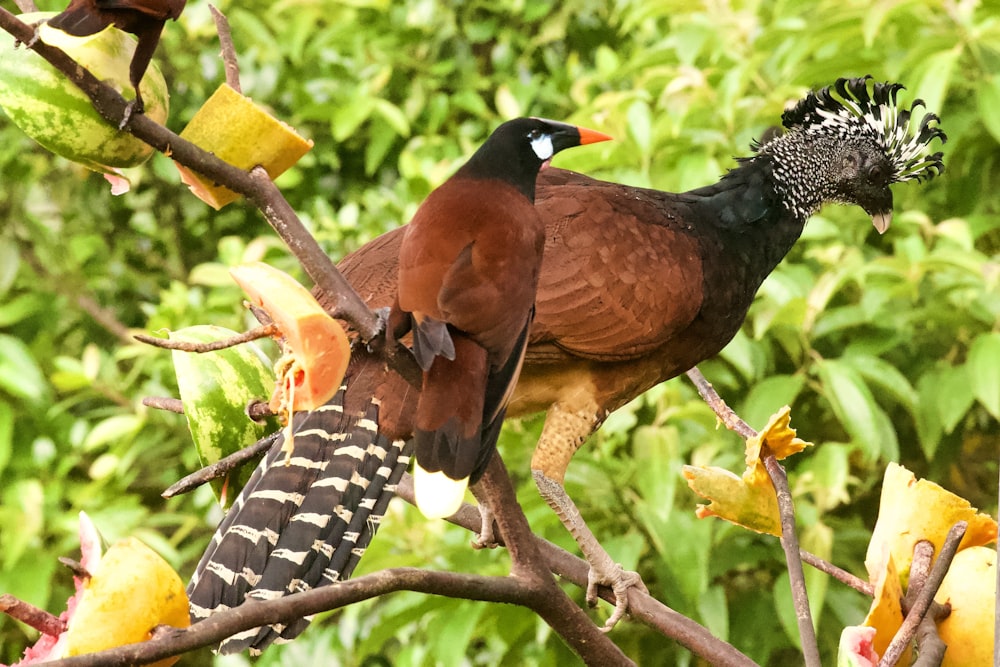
[[215, 388], [59, 116]]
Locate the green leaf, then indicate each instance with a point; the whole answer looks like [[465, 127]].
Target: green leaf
[[853, 404], [10, 263], [768, 395], [112, 429], [6, 435], [19, 372], [885, 377], [954, 396], [983, 365], [988, 97], [22, 307]]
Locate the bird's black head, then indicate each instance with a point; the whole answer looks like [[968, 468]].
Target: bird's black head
[[519, 148], [852, 145]]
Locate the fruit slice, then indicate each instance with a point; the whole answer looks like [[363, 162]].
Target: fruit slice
[[215, 388], [318, 345], [233, 128], [130, 591], [59, 116]]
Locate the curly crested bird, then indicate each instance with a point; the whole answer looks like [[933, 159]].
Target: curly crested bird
[[467, 270], [636, 286], [143, 18]]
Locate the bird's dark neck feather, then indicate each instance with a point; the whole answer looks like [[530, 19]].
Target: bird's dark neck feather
[[510, 166]]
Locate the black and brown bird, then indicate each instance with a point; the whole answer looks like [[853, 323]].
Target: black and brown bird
[[142, 18], [468, 267], [637, 286]]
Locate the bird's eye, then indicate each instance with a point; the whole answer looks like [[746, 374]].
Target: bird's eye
[[876, 173], [534, 134]]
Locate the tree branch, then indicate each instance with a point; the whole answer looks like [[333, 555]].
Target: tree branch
[[217, 627], [925, 597], [642, 606]]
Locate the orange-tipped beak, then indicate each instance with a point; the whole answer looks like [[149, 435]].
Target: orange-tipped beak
[[588, 136]]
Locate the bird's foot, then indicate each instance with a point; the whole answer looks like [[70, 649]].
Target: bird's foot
[[619, 580], [133, 107], [487, 537], [381, 327], [34, 38], [604, 571]]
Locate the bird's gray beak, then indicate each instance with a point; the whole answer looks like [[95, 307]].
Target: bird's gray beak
[[882, 221]]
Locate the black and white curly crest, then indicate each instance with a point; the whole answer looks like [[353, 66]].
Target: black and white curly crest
[[847, 109]]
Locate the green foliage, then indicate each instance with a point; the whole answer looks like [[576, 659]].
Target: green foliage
[[887, 348]]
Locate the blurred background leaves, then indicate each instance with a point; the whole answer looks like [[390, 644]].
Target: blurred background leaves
[[887, 348]]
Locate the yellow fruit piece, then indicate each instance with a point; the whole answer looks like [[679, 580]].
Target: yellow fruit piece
[[970, 587], [319, 346], [913, 509], [233, 128], [132, 591], [886, 612]]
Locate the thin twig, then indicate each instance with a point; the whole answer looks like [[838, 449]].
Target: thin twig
[[726, 414], [164, 403], [642, 606], [190, 346], [841, 575], [790, 543], [32, 616], [228, 50], [26, 6], [925, 597], [220, 468], [786, 510]]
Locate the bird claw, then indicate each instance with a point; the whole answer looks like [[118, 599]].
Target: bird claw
[[619, 581], [487, 538], [133, 107]]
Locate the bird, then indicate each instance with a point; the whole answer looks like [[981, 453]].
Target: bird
[[636, 286], [467, 272], [468, 267], [143, 18]]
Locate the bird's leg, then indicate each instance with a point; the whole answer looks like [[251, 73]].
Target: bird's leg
[[148, 39], [563, 433], [604, 571], [487, 537]]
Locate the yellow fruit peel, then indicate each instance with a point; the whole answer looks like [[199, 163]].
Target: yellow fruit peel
[[132, 591], [886, 612], [317, 342], [750, 500], [970, 588], [236, 130], [911, 510]]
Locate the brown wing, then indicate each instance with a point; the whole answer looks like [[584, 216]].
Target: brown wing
[[476, 270], [619, 276]]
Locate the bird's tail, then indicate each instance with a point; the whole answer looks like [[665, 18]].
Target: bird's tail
[[303, 524]]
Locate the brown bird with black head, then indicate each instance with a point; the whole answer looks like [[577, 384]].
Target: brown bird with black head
[[142, 18], [468, 269]]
